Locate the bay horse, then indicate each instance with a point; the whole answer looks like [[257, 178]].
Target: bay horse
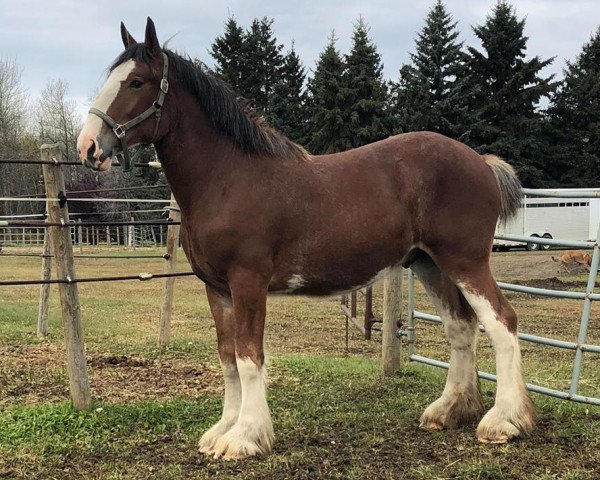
[[260, 215]]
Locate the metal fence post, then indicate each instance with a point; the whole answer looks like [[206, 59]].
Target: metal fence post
[[410, 334], [585, 316]]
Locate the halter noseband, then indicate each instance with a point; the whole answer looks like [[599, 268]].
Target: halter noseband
[[121, 130]]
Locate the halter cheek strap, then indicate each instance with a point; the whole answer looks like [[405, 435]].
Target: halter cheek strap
[[121, 130]]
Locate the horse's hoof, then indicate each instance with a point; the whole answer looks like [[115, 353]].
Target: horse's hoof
[[501, 425], [452, 411], [500, 432], [236, 450], [206, 445], [431, 425], [244, 441], [499, 439]]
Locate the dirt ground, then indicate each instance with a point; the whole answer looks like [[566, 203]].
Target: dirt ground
[[126, 370], [30, 373], [521, 265]]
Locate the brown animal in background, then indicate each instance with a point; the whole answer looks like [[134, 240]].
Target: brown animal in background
[[260, 215], [574, 258]]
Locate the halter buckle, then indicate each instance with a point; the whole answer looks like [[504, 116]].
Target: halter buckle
[[119, 131], [164, 85]]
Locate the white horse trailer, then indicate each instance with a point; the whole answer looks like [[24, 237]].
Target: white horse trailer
[[570, 218]]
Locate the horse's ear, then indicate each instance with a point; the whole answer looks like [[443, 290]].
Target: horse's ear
[[126, 36], [151, 41]]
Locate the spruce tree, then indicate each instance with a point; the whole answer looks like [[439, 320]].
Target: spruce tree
[[575, 120], [262, 62], [228, 52], [431, 91], [366, 90], [287, 103], [327, 104], [506, 89], [411, 108]]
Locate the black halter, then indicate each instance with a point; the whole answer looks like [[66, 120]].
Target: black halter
[[121, 130]]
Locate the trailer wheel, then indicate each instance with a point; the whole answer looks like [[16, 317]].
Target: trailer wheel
[[533, 247], [546, 247]]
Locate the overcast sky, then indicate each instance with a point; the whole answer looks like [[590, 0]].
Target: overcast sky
[[76, 40]]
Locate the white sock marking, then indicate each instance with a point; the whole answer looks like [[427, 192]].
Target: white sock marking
[[232, 400], [509, 393]]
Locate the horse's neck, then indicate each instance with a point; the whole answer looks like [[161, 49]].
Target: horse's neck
[[192, 154]]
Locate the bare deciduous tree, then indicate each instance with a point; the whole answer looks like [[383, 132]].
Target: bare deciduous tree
[[13, 106], [16, 142], [56, 117]]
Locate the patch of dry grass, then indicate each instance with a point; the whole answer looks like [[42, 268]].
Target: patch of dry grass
[[334, 415]]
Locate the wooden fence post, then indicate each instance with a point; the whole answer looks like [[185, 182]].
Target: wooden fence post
[[392, 312], [62, 249], [42, 326], [164, 328]]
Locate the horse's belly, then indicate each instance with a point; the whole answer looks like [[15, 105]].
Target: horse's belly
[[299, 284]]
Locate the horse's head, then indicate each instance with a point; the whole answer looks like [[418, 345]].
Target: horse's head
[[128, 109]]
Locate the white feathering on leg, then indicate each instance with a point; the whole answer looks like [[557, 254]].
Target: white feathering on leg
[[252, 434], [232, 402]]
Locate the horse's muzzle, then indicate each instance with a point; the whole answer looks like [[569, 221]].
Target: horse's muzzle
[[100, 165]]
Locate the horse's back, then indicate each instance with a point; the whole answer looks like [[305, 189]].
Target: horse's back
[[436, 189]]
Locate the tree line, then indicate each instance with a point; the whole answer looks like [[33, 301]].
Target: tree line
[[486, 95]]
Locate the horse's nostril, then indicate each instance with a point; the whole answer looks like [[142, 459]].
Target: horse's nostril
[[91, 150]]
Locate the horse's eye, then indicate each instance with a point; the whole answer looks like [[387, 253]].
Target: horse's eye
[[136, 84]]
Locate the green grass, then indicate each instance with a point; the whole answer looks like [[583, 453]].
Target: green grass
[[335, 416]]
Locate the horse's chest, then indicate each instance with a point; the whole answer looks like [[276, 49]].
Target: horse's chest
[[205, 269]]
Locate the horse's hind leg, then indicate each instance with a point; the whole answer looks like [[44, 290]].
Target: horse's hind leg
[[513, 414], [461, 399], [225, 324]]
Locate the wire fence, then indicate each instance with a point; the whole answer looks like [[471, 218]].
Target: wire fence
[[128, 234], [579, 346], [58, 234], [16, 232], [55, 161], [144, 276]]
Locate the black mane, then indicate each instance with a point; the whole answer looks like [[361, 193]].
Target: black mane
[[225, 110]]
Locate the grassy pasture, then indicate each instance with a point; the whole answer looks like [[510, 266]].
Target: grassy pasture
[[335, 416]]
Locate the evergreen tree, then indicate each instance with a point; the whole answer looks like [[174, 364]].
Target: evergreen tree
[[575, 120], [411, 109], [366, 90], [227, 50], [287, 103], [327, 104], [506, 89], [262, 62], [430, 94]]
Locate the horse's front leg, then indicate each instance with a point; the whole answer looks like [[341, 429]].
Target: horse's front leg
[[222, 312], [252, 434]]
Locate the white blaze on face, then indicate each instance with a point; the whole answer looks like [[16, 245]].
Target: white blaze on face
[[93, 124]]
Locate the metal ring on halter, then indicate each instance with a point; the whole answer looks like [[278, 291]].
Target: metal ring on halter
[[120, 130]]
